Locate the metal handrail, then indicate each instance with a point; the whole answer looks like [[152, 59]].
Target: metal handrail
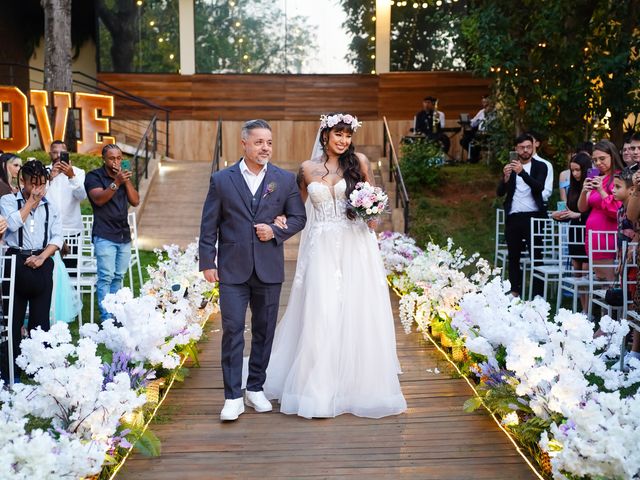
[[110, 89], [152, 132], [395, 174], [217, 149]]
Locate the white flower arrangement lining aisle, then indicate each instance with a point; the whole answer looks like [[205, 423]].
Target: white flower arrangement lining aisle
[[548, 379], [77, 415]]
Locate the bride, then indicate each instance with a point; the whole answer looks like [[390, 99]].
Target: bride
[[334, 350]]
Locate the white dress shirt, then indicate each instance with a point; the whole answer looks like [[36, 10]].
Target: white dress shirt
[[523, 200], [548, 181], [253, 180], [66, 194], [478, 121]]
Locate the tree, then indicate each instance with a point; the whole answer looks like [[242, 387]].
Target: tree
[[424, 35], [231, 37], [57, 57], [558, 66], [250, 37], [57, 45]]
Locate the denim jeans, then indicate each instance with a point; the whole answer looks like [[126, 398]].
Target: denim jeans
[[113, 263]]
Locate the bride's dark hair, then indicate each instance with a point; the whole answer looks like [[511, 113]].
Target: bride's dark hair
[[348, 161]]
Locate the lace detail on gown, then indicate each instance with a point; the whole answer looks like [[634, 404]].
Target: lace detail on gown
[[334, 350]]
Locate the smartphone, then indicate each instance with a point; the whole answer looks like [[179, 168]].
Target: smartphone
[[64, 157], [513, 156], [125, 165], [562, 205], [593, 172]]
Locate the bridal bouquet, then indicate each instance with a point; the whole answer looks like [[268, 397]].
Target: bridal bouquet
[[367, 201]]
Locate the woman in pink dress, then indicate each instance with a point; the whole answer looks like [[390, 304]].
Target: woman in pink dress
[[597, 196]]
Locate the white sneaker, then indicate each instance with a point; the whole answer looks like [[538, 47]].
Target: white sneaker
[[258, 402], [232, 409]]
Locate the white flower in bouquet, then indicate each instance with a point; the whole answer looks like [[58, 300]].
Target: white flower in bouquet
[[367, 201]]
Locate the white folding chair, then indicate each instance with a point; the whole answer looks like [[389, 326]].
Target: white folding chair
[[134, 261], [84, 275], [8, 276], [602, 243], [628, 313], [572, 280], [544, 249], [502, 253]]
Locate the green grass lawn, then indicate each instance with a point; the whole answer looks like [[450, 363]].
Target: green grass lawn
[[462, 206]]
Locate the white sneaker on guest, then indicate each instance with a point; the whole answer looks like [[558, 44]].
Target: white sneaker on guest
[[232, 409], [258, 402]]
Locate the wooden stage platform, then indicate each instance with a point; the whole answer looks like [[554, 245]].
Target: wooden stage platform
[[434, 439]]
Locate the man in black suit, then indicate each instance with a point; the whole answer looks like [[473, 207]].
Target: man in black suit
[[523, 183]]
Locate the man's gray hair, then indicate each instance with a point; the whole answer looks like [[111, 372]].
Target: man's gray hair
[[252, 125]]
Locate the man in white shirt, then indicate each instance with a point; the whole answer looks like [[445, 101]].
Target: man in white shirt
[[523, 183], [548, 183], [66, 191]]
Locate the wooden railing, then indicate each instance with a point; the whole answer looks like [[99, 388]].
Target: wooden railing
[[395, 174]]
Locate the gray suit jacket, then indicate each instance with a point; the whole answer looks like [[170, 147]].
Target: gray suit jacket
[[227, 219]]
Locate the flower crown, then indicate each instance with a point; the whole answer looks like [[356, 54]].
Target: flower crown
[[332, 120]]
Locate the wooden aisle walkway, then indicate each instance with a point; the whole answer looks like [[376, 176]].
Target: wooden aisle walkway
[[435, 439]]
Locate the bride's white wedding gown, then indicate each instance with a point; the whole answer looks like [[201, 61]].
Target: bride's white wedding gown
[[334, 350]]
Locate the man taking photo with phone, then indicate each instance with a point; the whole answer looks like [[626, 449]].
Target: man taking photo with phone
[[111, 192], [65, 192], [523, 180]]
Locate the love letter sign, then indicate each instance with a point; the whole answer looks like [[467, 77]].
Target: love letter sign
[[95, 113]]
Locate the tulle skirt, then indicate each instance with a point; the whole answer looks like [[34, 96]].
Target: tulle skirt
[[334, 350]]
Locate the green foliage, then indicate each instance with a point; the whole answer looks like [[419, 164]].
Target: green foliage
[[557, 69], [459, 206], [250, 37], [421, 38], [472, 404], [231, 37], [148, 444], [138, 38], [85, 162], [420, 163], [528, 433]]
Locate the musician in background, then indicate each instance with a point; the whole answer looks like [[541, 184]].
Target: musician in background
[[430, 123]]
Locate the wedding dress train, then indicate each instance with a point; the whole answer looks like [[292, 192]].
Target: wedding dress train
[[334, 350]]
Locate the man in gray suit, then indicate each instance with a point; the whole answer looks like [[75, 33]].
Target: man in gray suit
[[238, 224]]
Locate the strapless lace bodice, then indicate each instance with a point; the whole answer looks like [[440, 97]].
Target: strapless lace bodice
[[329, 203]]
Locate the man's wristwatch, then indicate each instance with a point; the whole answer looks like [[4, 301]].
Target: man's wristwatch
[[113, 186]]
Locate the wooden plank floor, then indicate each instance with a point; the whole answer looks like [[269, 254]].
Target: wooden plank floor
[[434, 439]]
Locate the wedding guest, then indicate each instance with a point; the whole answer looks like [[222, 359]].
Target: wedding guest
[[579, 165], [633, 214], [12, 165], [66, 191], [548, 182], [5, 186], [523, 182], [33, 247], [110, 192], [597, 196]]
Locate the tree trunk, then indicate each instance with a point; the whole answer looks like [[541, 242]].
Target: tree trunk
[[57, 56], [57, 45]]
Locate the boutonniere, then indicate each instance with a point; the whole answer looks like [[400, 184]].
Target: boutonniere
[[269, 189]]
